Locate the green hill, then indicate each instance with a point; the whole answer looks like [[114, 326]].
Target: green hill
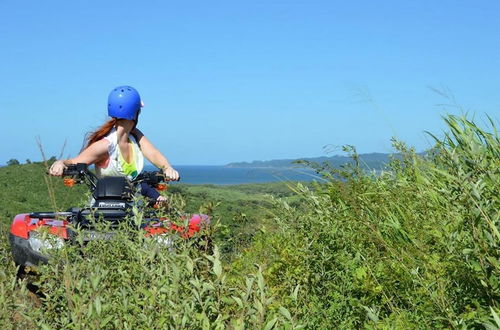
[[27, 188], [374, 161]]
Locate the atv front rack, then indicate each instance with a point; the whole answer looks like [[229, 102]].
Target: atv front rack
[[50, 215], [83, 216]]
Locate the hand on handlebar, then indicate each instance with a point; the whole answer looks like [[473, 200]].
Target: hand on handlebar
[[57, 168], [171, 174]]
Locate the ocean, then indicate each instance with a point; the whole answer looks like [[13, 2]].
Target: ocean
[[221, 175]]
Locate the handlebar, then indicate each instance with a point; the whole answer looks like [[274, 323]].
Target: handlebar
[[151, 177], [76, 169]]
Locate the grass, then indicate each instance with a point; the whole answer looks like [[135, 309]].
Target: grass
[[24, 189], [416, 246], [96, 279]]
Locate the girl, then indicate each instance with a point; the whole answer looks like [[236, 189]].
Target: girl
[[118, 147]]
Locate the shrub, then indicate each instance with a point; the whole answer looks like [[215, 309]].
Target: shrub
[[12, 161], [414, 246], [134, 281]]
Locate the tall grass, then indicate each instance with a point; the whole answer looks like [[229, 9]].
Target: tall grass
[[133, 281], [130, 283], [414, 247]]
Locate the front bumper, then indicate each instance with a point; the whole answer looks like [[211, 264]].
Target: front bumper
[[23, 253]]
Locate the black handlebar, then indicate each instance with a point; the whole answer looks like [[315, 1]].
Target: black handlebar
[[151, 177], [75, 169]]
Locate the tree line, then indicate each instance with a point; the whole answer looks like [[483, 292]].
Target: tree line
[[14, 161]]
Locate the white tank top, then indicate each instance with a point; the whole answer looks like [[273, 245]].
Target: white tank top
[[115, 164]]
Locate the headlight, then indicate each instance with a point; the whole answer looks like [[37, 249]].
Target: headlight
[[38, 242]]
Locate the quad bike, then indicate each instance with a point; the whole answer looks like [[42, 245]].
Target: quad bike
[[112, 203]]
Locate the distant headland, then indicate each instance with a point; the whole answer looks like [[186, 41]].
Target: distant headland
[[374, 160]]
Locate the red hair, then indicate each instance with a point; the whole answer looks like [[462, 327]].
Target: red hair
[[101, 132]]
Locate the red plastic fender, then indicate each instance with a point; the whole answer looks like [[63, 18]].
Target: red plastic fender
[[19, 226], [23, 224]]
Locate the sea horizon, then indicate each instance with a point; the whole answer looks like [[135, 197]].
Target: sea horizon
[[223, 175]]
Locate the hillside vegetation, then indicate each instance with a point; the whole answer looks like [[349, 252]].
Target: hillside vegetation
[[416, 246], [376, 161]]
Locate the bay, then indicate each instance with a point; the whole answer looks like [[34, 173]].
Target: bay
[[221, 175]]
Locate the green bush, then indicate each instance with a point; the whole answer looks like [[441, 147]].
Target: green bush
[[12, 162], [413, 247], [15, 299], [134, 281]]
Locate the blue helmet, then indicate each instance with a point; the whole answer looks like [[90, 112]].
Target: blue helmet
[[124, 102]]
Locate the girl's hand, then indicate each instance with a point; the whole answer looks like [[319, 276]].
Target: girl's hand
[[57, 168], [171, 174]]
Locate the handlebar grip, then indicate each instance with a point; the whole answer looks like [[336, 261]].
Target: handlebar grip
[[153, 177], [75, 169], [70, 172], [164, 178]]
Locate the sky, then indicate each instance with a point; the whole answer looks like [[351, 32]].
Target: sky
[[227, 81]]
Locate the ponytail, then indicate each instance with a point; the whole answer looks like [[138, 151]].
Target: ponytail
[[100, 132]]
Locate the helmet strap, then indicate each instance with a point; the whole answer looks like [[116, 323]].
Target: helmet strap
[[136, 120]]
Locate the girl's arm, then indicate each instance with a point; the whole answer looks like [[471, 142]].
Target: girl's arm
[[155, 156], [91, 155]]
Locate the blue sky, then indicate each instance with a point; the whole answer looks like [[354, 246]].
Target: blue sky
[[231, 81]]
